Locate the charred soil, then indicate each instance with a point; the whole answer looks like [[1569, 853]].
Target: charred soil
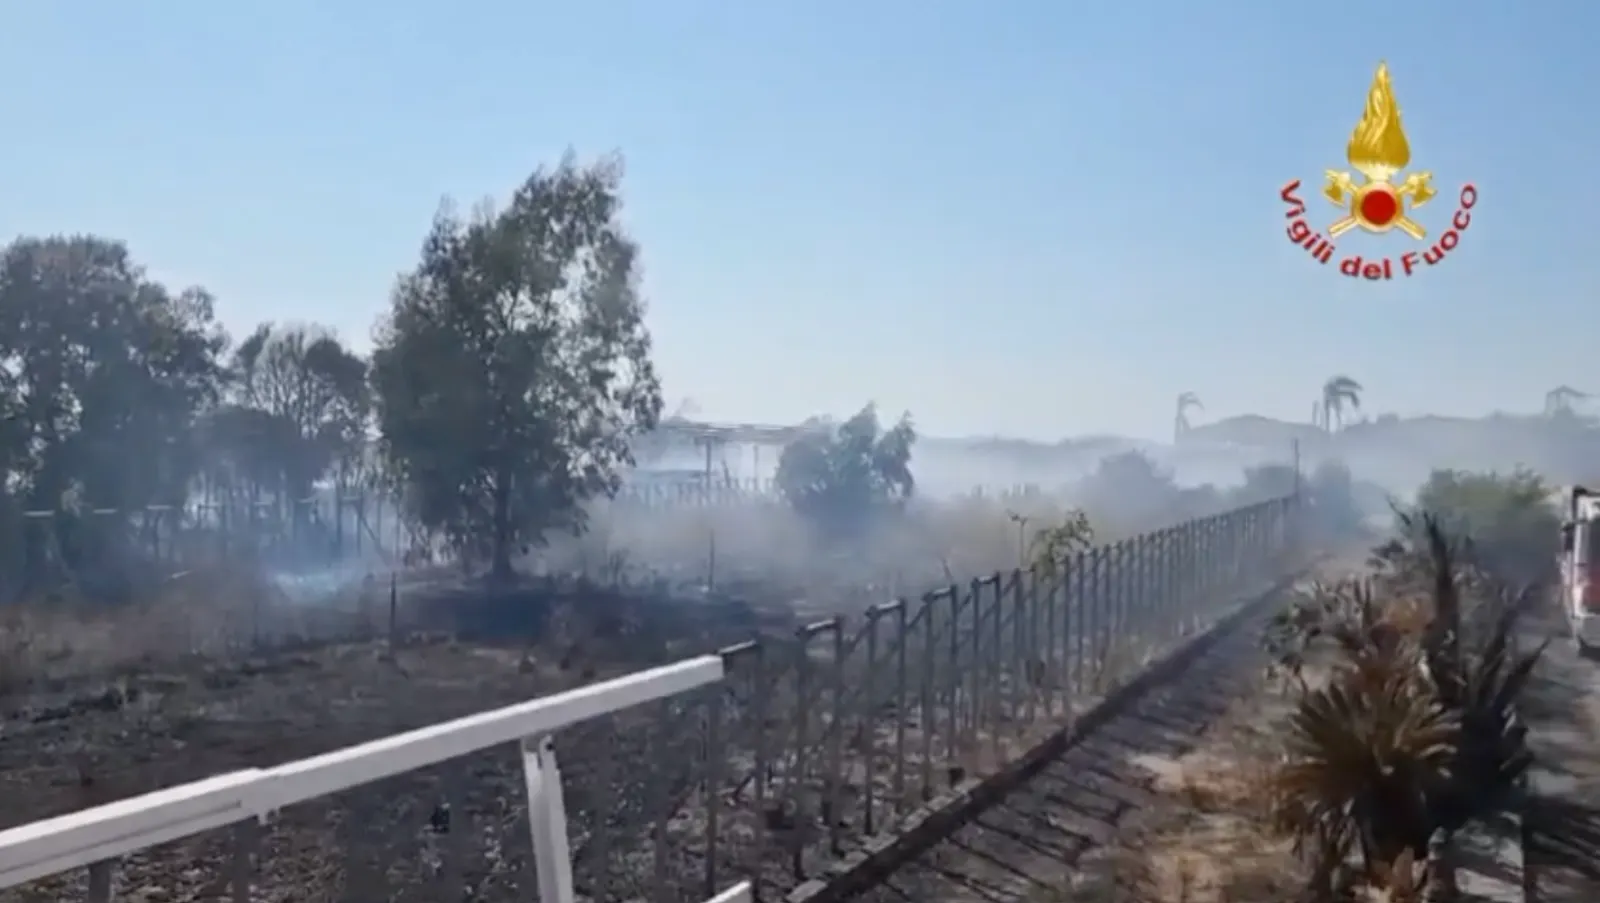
[[70, 743]]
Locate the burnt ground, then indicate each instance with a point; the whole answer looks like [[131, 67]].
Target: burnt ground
[[93, 740], [1564, 716]]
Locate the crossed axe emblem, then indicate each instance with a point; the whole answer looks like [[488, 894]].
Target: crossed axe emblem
[[1378, 205]]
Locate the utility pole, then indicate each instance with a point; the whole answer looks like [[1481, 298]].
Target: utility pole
[[1294, 447], [1021, 520]]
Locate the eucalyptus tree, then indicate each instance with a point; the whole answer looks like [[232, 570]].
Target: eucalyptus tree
[[513, 368]]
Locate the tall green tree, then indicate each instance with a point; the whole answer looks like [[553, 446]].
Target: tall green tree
[[837, 476], [103, 373], [1510, 517], [297, 410], [514, 366]]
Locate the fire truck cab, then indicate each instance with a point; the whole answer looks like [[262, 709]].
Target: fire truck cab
[[1580, 567]]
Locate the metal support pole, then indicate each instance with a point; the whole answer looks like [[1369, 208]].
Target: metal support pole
[[547, 820]]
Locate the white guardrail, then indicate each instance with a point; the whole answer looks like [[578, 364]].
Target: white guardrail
[[95, 838]]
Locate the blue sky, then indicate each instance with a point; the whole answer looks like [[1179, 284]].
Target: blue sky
[[1027, 217]]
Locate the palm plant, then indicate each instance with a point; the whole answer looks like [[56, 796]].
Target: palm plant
[[1416, 734], [1364, 746], [1338, 394], [1180, 420]]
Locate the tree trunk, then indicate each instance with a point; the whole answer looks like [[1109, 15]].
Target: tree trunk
[[501, 569]]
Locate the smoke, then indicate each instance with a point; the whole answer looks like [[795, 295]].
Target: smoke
[[762, 546], [979, 501]]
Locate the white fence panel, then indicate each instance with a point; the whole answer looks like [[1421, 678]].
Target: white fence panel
[[94, 838]]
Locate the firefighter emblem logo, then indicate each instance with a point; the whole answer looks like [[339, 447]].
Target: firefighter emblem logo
[[1378, 150], [1377, 198]]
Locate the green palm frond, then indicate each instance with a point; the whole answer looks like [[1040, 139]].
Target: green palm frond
[[1492, 752], [1419, 731], [1363, 752]]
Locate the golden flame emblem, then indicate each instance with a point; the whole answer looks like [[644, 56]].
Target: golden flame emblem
[[1378, 149]]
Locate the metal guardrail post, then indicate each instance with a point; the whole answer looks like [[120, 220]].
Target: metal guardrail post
[[902, 702], [833, 808], [925, 725], [963, 733], [102, 881], [547, 820]]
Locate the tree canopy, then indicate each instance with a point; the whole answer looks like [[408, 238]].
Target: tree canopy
[[296, 404], [1131, 485], [103, 373], [838, 476], [509, 375], [1510, 517], [514, 365]]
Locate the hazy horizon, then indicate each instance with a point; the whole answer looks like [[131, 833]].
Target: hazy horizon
[[1035, 220]]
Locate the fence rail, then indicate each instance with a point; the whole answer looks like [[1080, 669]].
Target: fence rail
[[800, 750], [305, 540]]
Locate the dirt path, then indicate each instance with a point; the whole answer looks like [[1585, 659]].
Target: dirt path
[[1565, 721], [1040, 842]]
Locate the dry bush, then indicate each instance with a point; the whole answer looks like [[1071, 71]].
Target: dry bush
[[1326, 613], [932, 543], [211, 612]]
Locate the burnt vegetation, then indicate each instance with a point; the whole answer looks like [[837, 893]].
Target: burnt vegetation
[[511, 384], [1411, 692], [149, 453]]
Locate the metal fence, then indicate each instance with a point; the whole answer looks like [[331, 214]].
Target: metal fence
[[356, 530], [321, 531], [810, 747], [325, 530], [701, 492], [719, 491]]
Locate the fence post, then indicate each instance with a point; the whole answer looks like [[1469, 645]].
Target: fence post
[[834, 788], [901, 702], [929, 612], [869, 691], [547, 820], [715, 756], [967, 732], [102, 881]]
